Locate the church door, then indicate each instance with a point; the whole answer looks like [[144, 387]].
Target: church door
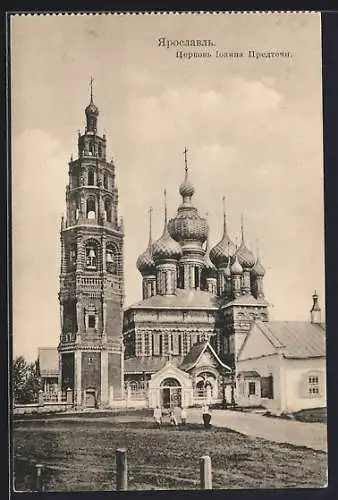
[[171, 393]]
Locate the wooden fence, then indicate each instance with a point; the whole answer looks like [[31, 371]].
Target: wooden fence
[[122, 472]]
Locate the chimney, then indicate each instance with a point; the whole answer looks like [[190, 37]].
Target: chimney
[[315, 310]]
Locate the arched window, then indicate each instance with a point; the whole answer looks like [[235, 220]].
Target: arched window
[[107, 209], [111, 264], [72, 257], [91, 177], [77, 208], [105, 181], [91, 208], [160, 339], [91, 256], [170, 382]]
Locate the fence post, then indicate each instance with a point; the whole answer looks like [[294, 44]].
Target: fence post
[[121, 469], [39, 485], [205, 473]]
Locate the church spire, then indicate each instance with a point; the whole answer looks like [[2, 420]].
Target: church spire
[[224, 217], [242, 228], [91, 111], [91, 90], [150, 228], [165, 210], [186, 188]]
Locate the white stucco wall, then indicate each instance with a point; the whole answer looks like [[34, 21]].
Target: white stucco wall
[[170, 371], [265, 366], [295, 373]]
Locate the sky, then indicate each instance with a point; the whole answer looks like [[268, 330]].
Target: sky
[[253, 128]]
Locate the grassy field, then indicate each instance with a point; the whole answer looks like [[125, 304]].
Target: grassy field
[[312, 415], [78, 453]]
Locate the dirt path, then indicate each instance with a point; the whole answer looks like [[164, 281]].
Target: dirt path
[[311, 435]]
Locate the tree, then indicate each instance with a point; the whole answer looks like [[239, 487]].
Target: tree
[[26, 380]]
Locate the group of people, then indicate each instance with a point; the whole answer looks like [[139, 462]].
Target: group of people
[[178, 415]]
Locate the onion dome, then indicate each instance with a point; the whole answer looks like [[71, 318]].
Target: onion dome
[[166, 247], [188, 225], [236, 268], [227, 271], [186, 188], [258, 270], [208, 265], [245, 256], [145, 262], [91, 109], [225, 248]]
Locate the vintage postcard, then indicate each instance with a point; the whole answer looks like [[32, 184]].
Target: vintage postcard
[[168, 252]]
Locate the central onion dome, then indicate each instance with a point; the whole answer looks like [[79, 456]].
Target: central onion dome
[[166, 247], [245, 256], [145, 262], [224, 249], [188, 225]]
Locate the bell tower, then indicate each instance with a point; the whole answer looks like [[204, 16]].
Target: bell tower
[[91, 279]]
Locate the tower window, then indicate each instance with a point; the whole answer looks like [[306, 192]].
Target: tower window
[[111, 266], [72, 257], [105, 181], [161, 345], [91, 257], [107, 210], [91, 208], [197, 277], [91, 321], [91, 178]]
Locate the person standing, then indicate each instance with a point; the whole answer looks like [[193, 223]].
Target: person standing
[[206, 415], [184, 416], [172, 417], [158, 416], [178, 414]]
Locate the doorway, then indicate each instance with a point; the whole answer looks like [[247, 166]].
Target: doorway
[[171, 393]]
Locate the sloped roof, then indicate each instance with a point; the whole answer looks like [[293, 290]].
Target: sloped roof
[[196, 351], [249, 374], [149, 364], [295, 339], [193, 355], [48, 361], [183, 299], [246, 300]]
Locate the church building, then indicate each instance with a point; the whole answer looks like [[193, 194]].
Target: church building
[[198, 304]]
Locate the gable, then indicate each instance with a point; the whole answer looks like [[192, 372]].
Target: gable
[[207, 359], [256, 345], [170, 371]]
